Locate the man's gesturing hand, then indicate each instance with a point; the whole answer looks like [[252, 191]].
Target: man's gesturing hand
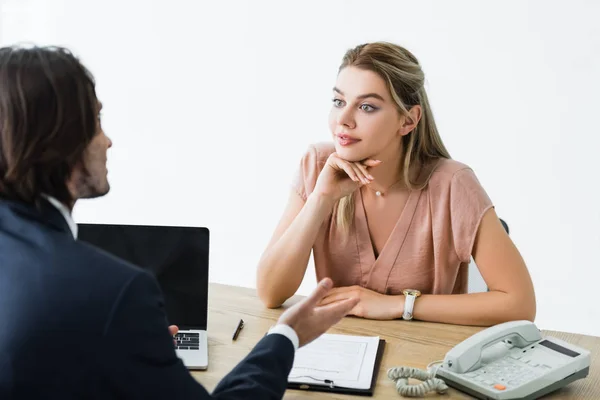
[[309, 320]]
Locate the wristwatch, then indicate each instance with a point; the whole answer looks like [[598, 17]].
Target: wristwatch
[[409, 301]]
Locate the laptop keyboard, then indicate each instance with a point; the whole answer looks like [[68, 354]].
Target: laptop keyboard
[[188, 341]]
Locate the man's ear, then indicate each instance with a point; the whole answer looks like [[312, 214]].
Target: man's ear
[[73, 179], [410, 121]]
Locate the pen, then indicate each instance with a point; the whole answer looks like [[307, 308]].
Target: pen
[[239, 327], [306, 386]]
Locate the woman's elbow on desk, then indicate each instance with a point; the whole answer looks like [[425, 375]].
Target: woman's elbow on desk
[[272, 287], [268, 296], [271, 303], [524, 308], [517, 307]]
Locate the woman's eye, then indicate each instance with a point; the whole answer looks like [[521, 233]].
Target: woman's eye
[[367, 108], [338, 103]]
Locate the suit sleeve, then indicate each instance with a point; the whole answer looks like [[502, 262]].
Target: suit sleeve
[[144, 365], [263, 374], [141, 359]]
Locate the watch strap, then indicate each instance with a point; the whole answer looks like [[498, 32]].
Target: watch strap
[[409, 303]]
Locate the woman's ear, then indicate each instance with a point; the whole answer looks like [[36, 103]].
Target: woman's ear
[[410, 121]]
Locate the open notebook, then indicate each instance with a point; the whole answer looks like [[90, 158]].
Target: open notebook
[[338, 363]]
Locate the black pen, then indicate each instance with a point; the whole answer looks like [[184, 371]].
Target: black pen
[[239, 327]]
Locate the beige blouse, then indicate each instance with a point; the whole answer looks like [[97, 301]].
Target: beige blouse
[[429, 248]]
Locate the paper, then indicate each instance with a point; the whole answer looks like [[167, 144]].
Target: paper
[[346, 360]]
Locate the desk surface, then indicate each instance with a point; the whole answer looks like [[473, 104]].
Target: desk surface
[[412, 343]]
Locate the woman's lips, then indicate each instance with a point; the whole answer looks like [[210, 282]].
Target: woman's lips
[[345, 140]]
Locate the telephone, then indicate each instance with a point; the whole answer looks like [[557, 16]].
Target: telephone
[[513, 361]]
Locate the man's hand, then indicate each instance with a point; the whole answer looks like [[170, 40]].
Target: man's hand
[[370, 304], [309, 320], [173, 329]]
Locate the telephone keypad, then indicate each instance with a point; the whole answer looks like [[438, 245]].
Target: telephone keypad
[[507, 372]]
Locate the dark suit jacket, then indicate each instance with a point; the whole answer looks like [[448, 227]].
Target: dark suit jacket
[[78, 323]]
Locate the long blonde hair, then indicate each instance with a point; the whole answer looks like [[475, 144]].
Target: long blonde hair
[[405, 79]]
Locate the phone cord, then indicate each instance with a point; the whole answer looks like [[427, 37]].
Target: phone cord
[[430, 383]]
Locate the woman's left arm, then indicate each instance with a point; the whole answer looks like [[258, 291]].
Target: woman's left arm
[[510, 296]]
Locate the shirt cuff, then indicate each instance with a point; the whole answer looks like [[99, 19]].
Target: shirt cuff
[[288, 332]]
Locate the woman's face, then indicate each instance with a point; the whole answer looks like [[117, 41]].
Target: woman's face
[[364, 119]]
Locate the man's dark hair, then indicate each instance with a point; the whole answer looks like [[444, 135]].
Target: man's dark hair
[[48, 116]]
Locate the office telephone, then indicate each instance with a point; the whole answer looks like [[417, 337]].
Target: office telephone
[[513, 361]]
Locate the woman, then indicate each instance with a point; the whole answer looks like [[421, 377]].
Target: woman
[[385, 210]]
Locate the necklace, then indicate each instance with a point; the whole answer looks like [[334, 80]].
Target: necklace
[[380, 193]]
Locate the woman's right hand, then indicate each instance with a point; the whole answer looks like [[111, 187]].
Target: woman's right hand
[[340, 178]]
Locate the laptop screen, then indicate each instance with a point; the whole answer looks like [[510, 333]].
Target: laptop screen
[[176, 256]]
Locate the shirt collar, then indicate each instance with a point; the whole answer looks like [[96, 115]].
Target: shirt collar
[[66, 213]]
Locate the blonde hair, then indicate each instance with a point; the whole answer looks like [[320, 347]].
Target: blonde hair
[[405, 79]]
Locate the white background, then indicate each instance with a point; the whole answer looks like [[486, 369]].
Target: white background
[[211, 104]]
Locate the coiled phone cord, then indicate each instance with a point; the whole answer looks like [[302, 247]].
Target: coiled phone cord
[[430, 383]]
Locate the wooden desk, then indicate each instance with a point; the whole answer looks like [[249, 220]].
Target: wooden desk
[[412, 343]]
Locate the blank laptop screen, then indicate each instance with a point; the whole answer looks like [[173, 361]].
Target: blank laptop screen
[[176, 256]]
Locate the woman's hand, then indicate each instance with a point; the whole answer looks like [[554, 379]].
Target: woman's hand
[[340, 178], [371, 305]]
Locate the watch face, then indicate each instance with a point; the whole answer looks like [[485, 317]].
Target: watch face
[[411, 292]]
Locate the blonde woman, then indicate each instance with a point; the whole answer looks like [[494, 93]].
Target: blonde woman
[[388, 215]]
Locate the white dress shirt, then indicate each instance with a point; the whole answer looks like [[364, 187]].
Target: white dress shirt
[[66, 213], [288, 332]]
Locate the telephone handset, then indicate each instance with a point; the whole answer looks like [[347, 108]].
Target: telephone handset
[[513, 361], [467, 355]]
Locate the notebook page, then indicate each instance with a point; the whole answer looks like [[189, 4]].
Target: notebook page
[[346, 360]]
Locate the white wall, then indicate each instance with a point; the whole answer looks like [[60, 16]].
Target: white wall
[[211, 104]]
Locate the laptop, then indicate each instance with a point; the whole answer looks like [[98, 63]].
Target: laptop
[[178, 258]]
